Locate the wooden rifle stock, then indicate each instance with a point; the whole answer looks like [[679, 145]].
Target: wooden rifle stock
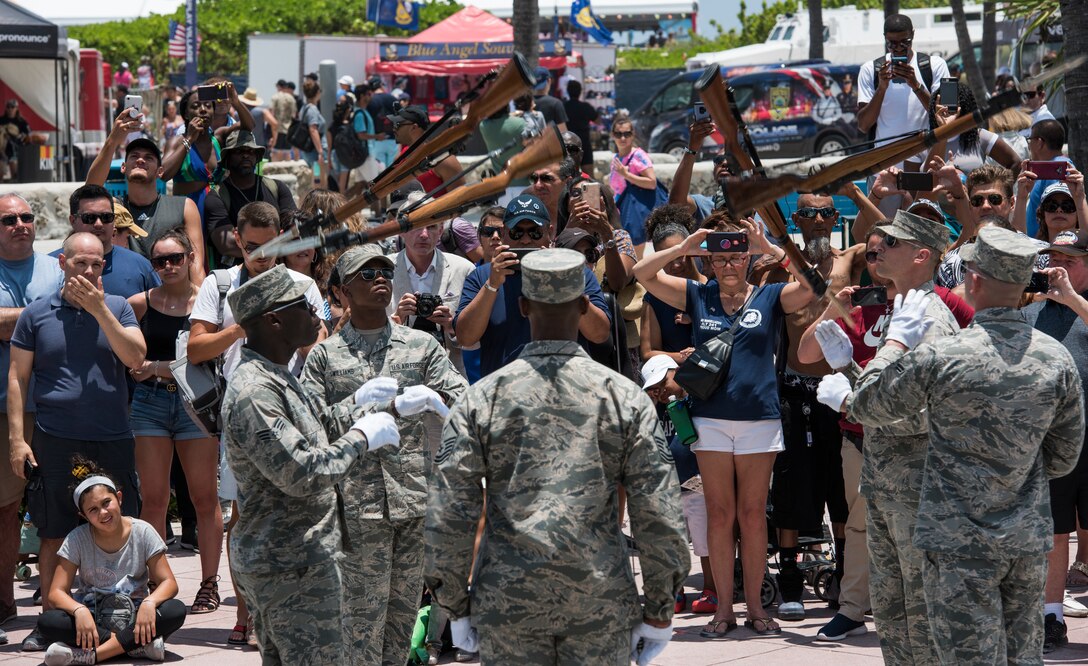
[[513, 80]]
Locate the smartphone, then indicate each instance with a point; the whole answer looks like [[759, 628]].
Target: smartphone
[[950, 94], [133, 102], [28, 469], [1040, 283], [899, 60], [913, 181], [521, 253], [1049, 170], [591, 192], [214, 93], [727, 241], [699, 112], [869, 296]]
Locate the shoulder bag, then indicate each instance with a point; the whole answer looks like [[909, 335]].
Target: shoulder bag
[[704, 372]]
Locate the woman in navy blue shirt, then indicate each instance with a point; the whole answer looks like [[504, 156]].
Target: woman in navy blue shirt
[[740, 428]]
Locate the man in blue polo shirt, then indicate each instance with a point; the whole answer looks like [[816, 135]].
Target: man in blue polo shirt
[[125, 272], [489, 312], [76, 346]]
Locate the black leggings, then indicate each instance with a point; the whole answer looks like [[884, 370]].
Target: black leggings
[[56, 626]]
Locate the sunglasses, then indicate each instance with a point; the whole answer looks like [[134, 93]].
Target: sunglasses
[[623, 135], [994, 199], [593, 255], [488, 232], [542, 177], [12, 220], [738, 260], [536, 233], [899, 43], [296, 302], [371, 274], [250, 248], [809, 212], [90, 218], [397, 126], [573, 149], [718, 159], [1029, 95], [161, 261], [892, 241], [1065, 206]]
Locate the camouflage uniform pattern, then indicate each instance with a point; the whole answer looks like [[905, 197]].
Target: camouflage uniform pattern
[[385, 495], [891, 480], [286, 469], [1005, 412], [553, 434], [553, 276]]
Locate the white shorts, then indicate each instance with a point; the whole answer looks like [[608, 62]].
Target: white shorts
[[695, 516], [738, 437]]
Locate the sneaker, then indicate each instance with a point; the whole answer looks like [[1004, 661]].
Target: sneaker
[[681, 603], [34, 642], [36, 598], [707, 603], [188, 538], [1053, 633], [791, 610], [1072, 607], [841, 627], [155, 650], [60, 654], [3, 637], [462, 656]]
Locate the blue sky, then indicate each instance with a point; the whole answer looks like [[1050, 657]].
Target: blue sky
[[724, 12]]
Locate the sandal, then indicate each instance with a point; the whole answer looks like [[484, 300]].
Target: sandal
[[1078, 575], [251, 634], [714, 629], [237, 635], [207, 597], [763, 626]]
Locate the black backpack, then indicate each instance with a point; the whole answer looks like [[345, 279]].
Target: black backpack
[[923, 66], [350, 149]]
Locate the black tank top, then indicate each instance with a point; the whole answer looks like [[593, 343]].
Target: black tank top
[[161, 332]]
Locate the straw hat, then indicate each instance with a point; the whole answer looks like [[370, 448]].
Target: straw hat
[[250, 97]]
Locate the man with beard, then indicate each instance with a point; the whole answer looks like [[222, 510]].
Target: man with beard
[[241, 155], [153, 212], [808, 473], [699, 205]]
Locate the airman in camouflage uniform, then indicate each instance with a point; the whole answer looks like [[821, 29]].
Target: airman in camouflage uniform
[[1005, 409], [891, 473], [284, 548], [554, 434], [385, 495]]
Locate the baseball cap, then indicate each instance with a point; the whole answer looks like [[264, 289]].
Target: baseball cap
[[123, 220], [926, 203], [1055, 188], [1072, 243], [374, 82], [411, 114], [655, 369], [542, 76], [571, 236], [282, 83], [526, 207], [146, 144], [346, 80], [401, 196]]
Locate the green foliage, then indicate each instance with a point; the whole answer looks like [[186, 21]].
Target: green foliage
[[754, 30], [225, 26]]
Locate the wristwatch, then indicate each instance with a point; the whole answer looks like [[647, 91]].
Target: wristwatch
[[689, 151]]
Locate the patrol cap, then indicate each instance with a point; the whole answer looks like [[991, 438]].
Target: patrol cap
[[123, 220], [1002, 255], [351, 261], [655, 369], [1073, 243], [553, 276], [525, 207], [263, 293], [917, 229]]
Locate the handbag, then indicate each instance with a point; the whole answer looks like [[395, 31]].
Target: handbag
[[202, 385], [704, 372], [298, 135]]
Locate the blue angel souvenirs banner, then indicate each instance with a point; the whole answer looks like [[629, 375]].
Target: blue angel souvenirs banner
[[403, 14], [581, 14], [401, 51]]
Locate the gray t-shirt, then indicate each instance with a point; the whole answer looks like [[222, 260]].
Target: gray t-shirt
[[124, 571], [311, 116]]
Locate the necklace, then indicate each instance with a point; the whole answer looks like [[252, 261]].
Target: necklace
[[256, 191]]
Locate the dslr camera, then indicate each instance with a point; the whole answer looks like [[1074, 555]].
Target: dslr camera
[[426, 303]]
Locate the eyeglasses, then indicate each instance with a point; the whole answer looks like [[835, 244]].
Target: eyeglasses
[[623, 135], [536, 233], [738, 260], [542, 178], [488, 232], [12, 220], [810, 212], [1065, 206], [994, 199], [297, 301], [397, 126], [871, 256], [161, 261], [893, 44], [90, 218], [371, 274], [1030, 94]]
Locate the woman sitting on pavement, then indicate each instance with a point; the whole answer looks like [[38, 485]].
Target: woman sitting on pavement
[[119, 561]]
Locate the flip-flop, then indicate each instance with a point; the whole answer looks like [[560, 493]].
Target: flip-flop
[[237, 635], [714, 630], [763, 626]]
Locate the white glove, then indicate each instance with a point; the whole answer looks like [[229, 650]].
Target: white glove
[[380, 430], [909, 324], [418, 399], [379, 389], [833, 390], [654, 639], [835, 344], [464, 635]]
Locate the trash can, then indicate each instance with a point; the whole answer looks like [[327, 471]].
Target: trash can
[[36, 163]]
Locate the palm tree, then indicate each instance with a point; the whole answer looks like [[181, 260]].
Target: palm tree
[[989, 42], [526, 23], [967, 51], [815, 29], [891, 7], [1075, 35]]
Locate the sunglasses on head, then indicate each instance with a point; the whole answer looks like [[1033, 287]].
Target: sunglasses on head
[[162, 260], [12, 220], [1065, 206], [536, 233], [542, 178], [371, 274], [994, 199], [810, 212], [623, 135], [90, 218], [488, 232]]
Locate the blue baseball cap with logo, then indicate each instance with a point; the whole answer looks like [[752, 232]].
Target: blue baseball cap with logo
[[526, 207]]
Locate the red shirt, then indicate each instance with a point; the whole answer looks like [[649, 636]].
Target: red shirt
[[428, 179]]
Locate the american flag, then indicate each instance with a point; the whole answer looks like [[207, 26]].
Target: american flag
[[177, 40]]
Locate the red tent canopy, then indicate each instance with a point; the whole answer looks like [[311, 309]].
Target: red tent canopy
[[471, 23]]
